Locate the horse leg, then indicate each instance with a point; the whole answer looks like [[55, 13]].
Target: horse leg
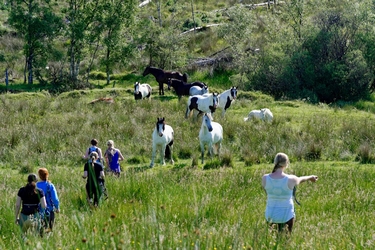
[[162, 153], [223, 112], [202, 152], [171, 153], [187, 113], [153, 156], [161, 88], [211, 149]]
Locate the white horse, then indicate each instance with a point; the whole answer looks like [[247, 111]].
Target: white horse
[[142, 91], [262, 114], [196, 90], [162, 139], [202, 104], [211, 134], [226, 98]]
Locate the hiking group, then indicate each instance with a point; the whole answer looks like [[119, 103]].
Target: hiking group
[[38, 201]]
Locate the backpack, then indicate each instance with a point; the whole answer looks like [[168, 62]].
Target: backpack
[[93, 149]]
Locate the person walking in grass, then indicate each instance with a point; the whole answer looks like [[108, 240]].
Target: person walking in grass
[[113, 157], [279, 189], [52, 199], [94, 148], [94, 173], [29, 198]]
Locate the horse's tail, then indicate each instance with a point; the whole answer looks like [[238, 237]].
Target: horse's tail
[[168, 151]]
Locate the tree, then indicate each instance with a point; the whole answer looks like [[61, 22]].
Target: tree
[[79, 16], [36, 21], [117, 20]]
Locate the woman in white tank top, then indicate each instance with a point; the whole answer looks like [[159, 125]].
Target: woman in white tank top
[[279, 188]]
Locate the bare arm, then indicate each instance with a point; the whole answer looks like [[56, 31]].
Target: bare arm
[[84, 176], [101, 175], [86, 156], [264, 183], [120, 157], [43, 202], [17, 208], [295, 180], [100, 154], [312, 178]]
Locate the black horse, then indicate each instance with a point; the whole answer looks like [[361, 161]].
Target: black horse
[[182, 88], [162, 76]]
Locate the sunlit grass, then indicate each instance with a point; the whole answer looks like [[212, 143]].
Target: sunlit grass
[[184, 206]]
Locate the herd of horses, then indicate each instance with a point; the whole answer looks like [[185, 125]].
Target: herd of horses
[[200, 101]]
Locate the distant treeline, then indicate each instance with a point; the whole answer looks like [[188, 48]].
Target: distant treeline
[[321, 51]]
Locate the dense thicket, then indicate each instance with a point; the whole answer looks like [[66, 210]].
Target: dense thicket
[[321, 51]]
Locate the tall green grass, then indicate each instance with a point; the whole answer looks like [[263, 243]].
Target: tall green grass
[[219, 205]]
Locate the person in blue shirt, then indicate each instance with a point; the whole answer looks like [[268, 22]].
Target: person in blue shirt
[[94, 148], [52, 199], [113, 157]]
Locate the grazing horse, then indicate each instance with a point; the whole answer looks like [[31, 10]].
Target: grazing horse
[[226, 98], [211, 134], [162, 139], [202, 103], [262, 114], [142, 91], [162, 76], [196, 90], [182, 88]]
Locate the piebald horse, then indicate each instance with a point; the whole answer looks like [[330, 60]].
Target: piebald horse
[[162, 139], [203, 104], [226, 98], [142, 91]]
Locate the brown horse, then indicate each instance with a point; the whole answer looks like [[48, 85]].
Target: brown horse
[[162, 76]]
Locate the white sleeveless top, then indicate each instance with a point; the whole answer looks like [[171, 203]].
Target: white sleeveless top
[[280, 206]]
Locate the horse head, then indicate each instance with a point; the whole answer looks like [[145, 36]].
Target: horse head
[[169, 83], [215, 100], [206, 121], [160, 126], [184, 77], [233, 92], [136, 88], [146, 71]]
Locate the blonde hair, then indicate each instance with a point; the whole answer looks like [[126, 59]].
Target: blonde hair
[[93, 157], [281, 160], [111, 142]]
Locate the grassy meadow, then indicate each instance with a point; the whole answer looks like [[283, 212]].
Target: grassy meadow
[[189, 205]]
